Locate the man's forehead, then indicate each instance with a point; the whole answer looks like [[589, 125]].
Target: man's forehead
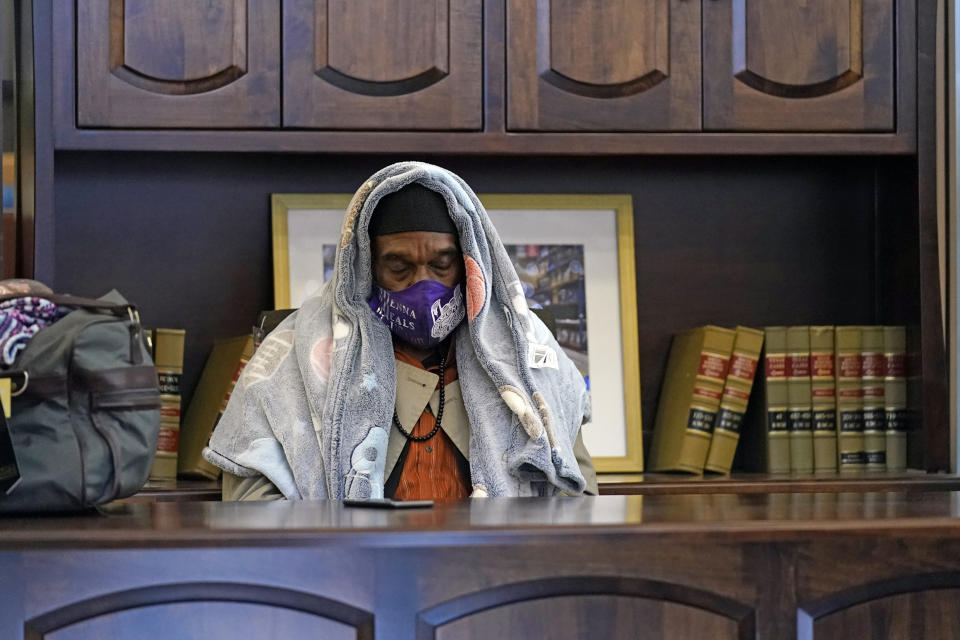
[[415, 241]]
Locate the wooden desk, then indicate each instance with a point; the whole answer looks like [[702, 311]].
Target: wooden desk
[[831, 565]]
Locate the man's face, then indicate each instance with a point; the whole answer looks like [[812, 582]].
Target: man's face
[[403, 259]]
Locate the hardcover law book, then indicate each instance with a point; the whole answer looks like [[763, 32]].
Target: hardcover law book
[[895, 396], [850, 449], [220, 373], [776, 437], [168, 358], [799, 412], [690, 397], [736, 396], [872, 384], [823, 393]]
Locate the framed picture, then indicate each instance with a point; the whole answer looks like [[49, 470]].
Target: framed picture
[[574, 256]]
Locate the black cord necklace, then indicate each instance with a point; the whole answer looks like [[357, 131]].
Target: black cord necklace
[[436, 426]]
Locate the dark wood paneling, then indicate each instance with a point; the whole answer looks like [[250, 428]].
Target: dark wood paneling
[[933, 369], [489, 144], [818, 65], [764, 563], [180, 63], [918, 606], [581, 606], [603, 66], [379, 64], [211, 610]]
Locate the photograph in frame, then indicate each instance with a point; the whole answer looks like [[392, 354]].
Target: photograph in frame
[[575, 259]]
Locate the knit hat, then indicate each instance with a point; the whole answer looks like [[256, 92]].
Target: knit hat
[[412, 208]]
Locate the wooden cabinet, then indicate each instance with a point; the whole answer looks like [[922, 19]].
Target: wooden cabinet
[[177, 63], [603, 65], [587, 66], [382, 64], [815, 65], [801, 65]]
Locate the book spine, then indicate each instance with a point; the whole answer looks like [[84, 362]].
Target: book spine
[[799, 413], [168, 359], [735, 398], [895, 396], [872, 383], [704, 404], [775, 378], [233, 383], [823, 392], [850, 446]]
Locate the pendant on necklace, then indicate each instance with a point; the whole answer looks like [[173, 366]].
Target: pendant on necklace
[[428, 449]]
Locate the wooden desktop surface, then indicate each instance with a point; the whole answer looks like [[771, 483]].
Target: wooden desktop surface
[[692, 517], [777, 565]]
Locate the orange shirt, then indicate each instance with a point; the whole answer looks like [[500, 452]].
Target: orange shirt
[[432, 469]]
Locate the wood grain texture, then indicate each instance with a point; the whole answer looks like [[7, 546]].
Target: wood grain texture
[[667, 566], [689, 517], [603, 66], [375, 64], [740, 483], [213, 610], [819, 65], [181, 64], [932, 370]]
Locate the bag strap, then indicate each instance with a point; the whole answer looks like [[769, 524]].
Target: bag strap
[[77, 301]]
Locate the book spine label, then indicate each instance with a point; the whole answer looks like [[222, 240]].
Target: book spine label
[[713, 367], [707, 392], [733, 404], [729, 420], [169, 382], [700, 420]]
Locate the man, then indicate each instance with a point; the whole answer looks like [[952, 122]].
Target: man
[[477, 398]]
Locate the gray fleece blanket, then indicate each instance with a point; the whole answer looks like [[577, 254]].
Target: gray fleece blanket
[[313, 408]]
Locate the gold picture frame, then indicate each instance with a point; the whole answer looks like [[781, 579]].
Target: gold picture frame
[[306, 231]]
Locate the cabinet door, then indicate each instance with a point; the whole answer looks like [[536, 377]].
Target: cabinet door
[[798, 65], [178, 63], [603, 65], [383, 64]]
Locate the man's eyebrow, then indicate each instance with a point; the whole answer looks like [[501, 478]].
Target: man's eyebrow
[[449, 251], [395, 255]]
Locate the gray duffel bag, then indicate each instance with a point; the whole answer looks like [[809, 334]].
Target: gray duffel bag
[[86, 409]]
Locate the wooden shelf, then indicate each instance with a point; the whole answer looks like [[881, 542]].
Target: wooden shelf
[[668, 483]]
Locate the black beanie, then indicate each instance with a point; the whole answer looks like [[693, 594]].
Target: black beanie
[[412, 208]]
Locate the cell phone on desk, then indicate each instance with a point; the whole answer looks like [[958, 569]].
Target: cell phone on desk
[[387, 503]]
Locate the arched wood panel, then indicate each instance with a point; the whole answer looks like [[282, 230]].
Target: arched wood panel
[[588, 606], [213, 611], [924, 606], [603, 65], [179, 63], [799, 65], [381, 64]]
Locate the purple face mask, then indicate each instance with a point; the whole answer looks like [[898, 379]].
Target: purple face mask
[[423, 314]]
